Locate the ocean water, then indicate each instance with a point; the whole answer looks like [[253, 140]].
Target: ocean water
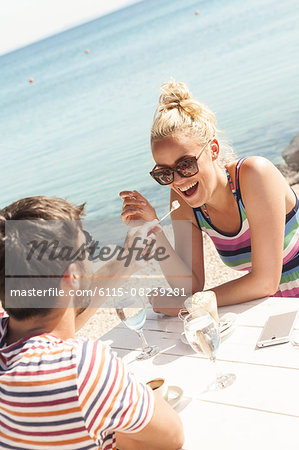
[[81, 130]]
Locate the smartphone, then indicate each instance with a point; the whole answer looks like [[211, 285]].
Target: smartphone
[[277, 329]]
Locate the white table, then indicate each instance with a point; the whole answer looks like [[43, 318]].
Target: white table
[[259, 411]]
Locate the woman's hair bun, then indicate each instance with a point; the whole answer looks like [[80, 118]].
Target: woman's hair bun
[[176, 95], [173, 94], [178, 111]]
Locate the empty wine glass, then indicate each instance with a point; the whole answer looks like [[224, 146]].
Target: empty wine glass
[[131, 311], [202, 333]]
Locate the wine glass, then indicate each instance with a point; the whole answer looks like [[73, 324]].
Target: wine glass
[[202, 333], [131, 311]]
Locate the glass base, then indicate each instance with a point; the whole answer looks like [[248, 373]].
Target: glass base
[[148, 352], [222, 382]]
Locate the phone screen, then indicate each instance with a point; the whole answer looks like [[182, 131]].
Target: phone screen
[[278, 326]]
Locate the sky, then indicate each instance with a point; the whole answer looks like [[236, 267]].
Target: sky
[[25, 21]]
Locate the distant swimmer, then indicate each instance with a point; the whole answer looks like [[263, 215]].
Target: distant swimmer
[[31, 80], [197, 12], [87, 50]]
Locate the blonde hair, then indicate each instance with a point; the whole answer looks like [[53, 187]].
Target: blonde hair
[[179, 113]]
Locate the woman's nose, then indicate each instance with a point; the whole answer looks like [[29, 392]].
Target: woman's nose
[[176, 177]]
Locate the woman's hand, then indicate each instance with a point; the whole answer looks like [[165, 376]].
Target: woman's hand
[[136, 208], [163, 304]]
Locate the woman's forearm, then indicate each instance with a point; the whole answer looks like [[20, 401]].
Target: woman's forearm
[[177, 272], [244, 289]]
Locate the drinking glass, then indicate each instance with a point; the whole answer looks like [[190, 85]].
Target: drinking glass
[[131, 311], [202, 333]]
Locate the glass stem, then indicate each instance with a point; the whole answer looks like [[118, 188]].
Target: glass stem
[[216, 368], [143, 340]]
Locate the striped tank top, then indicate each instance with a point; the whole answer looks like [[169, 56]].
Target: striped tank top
[[235, 250]]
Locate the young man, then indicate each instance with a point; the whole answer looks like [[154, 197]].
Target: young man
[[57, 391]]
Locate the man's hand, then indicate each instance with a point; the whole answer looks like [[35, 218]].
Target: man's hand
[[137, 249], [141, 241]]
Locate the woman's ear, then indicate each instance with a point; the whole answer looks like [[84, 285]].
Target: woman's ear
[[214, 149], [71, 278]]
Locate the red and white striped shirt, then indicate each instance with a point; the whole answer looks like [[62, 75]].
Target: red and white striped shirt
[[71, 394]]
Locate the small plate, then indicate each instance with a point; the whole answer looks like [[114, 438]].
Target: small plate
[[174, 395], [183, 338], [227, 324]]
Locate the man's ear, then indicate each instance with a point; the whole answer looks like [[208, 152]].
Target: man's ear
[[71, 278], [214, 149]]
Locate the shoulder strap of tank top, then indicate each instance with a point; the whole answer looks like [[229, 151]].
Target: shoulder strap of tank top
[[238, 166]]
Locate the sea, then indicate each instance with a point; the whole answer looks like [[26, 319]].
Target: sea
[[80, 131]]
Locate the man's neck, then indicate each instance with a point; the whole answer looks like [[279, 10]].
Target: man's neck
[[60, 323]]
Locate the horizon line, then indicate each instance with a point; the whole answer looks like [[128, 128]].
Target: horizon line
[[70, 27]]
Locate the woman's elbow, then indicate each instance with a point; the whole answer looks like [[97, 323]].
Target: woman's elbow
[[269, 286]]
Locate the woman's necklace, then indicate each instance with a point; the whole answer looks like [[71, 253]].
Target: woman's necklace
[[204, 208]]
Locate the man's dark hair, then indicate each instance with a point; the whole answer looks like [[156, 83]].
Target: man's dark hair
[[48, 219]]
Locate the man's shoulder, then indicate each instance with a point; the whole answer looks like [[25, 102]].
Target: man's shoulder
[[89, 352], [86, 343], [77, 347]]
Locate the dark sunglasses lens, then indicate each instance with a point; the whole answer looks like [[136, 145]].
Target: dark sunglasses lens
[[163, 176], [187, 167]]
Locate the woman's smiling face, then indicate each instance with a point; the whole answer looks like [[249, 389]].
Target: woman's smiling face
[[195, 190]]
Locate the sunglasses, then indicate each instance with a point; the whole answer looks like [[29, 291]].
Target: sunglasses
[[185, 168]]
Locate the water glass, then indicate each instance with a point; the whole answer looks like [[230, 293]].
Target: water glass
[[202, 333], [131, 311]]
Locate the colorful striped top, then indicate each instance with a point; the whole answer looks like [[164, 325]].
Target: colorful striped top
[[235, 250], [71, 394]]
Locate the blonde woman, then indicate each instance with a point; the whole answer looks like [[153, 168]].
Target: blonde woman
[[245, 206]]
